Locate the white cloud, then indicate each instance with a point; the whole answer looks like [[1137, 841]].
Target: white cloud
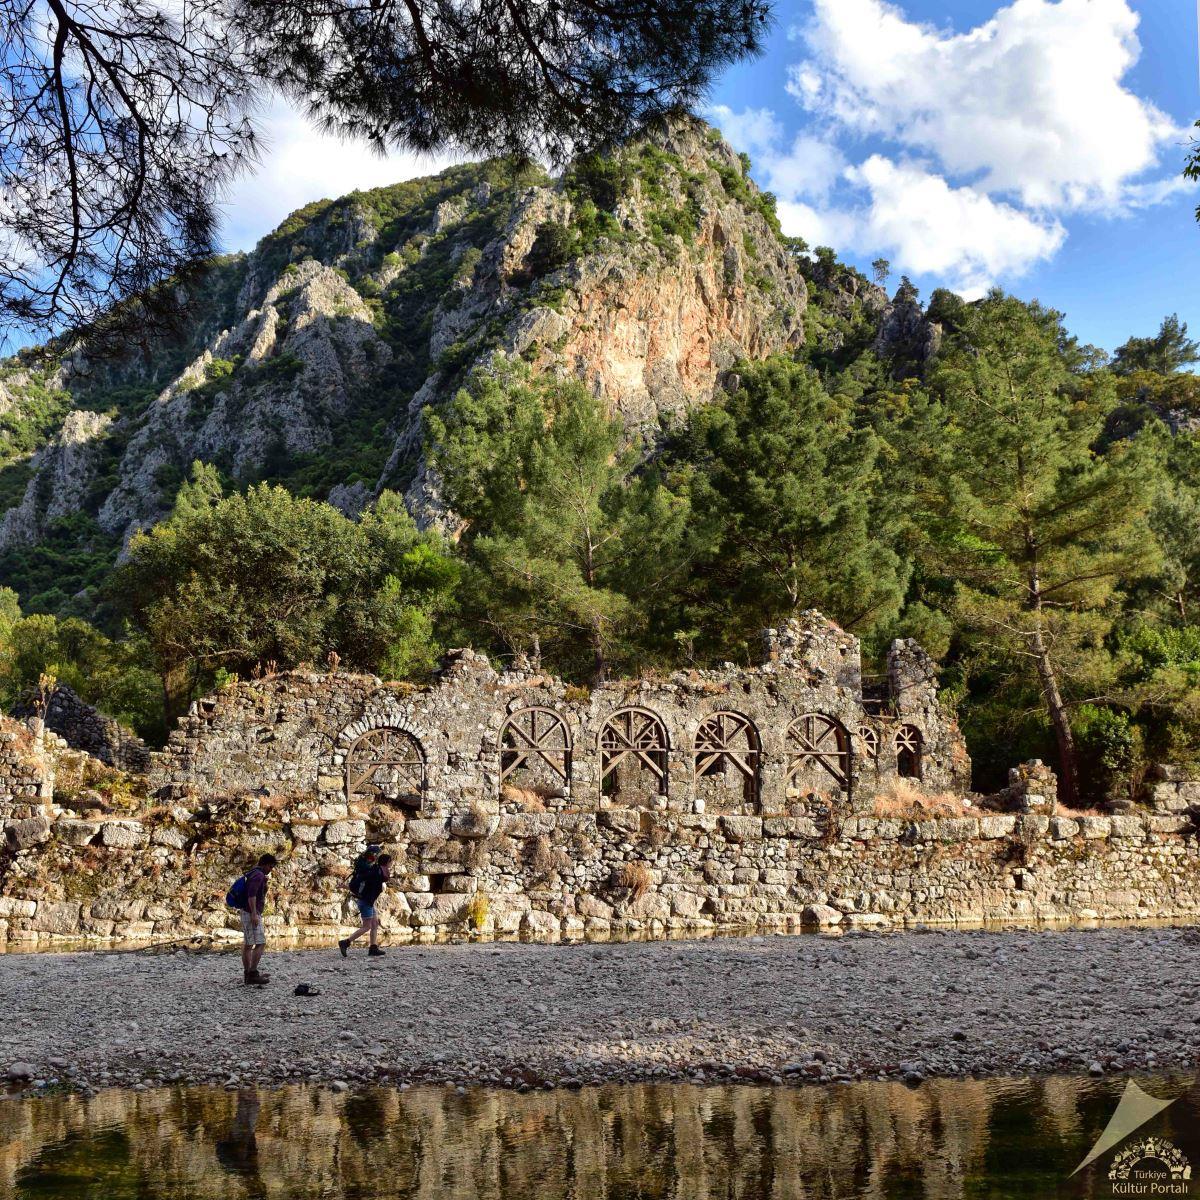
[[301, 164], [755, 130], [1030, 103], [970, 148], [955, 233], [810, 167], [824, 226]]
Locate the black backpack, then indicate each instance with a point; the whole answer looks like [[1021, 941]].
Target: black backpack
[[359, 876]]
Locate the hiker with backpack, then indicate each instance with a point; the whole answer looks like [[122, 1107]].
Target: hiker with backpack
[[249, 896], [366, 886]]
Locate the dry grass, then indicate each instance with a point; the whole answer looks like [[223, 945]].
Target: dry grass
[[544, 860], [79, 776], [904, 800], [476, 856], [523, 799], [477, 911], [635, 877]]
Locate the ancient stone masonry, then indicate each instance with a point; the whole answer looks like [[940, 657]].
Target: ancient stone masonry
[[787, 794], [1174, 789], [82, 727], [791, 736], [26, 771]]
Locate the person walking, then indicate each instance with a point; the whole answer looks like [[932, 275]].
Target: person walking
[[249, 896], [371, 873]]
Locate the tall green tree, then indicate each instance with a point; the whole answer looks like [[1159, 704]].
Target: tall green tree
[[1037, 527], [115, 675], [264, 577], [1170, 350], [784, 489], [565, 534]]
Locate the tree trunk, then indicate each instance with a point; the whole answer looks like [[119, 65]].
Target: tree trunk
[[1059, 718], [599, 662], [1068, 772]]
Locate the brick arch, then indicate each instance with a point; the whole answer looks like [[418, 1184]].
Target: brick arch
[[909, 745], [535, 736], [389, 764], [385, 734], [729, 742]]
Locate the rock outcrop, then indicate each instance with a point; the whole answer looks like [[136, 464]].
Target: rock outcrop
[[356, 315], [63, 472]]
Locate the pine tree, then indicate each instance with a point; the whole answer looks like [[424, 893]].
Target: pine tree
[[1170, 350], [784, 490], [564, 531], [1036, 526]]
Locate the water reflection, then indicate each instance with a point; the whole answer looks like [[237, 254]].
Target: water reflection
[[994, 1138]]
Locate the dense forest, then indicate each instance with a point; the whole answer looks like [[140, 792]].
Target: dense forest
[[965, 473]]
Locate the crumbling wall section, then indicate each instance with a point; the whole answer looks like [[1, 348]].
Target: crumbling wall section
[[614, 871], [85, 728], [791, 736]]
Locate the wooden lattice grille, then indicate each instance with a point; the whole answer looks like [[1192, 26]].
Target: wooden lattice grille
[[532, 738], [868, 741], [817, 740], [908, 744], [634, 738], [386, 764], [728, 739]]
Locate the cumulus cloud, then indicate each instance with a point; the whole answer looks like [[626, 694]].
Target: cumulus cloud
[[301, 164], [971, 148], [1030, 103], [955, 233]]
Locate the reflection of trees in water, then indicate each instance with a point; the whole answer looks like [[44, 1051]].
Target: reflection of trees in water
[[670, 1141]]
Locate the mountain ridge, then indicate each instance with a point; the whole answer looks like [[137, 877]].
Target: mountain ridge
[[311, 360]]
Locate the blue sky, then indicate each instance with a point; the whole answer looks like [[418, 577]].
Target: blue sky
[[1039, 140], [1034, 144]]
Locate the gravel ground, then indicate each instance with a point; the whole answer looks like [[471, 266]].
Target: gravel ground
[[775, 1009]]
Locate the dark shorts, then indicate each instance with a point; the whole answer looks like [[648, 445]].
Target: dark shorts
[[365, 910]]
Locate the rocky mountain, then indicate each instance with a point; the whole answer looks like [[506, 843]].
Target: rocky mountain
[[310, 361]]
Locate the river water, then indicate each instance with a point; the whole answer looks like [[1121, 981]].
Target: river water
[[978, 1138]]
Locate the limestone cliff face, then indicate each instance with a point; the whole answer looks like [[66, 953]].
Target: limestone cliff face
[[270, 385], [63, 474], [646, 277], [651, 329]]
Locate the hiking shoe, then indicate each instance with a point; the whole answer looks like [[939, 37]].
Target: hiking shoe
[[376, 952], [254, 977], [344, 946]]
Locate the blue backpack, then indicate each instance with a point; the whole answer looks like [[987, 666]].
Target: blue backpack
[[236, 896]]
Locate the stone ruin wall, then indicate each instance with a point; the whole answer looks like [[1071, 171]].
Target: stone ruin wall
[[789, 737], [516, 805], [82, 727]]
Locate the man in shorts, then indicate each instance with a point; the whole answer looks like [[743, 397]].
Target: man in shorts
[[370, 878], [254, 940]]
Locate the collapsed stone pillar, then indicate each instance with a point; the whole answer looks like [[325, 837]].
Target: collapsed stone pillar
[[1032, 787]]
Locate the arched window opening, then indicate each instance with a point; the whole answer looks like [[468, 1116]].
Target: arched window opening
[[815, 740], [633, 757], [868, 742], [908, 744], [386, 764], [727, 756], [535, 753]]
